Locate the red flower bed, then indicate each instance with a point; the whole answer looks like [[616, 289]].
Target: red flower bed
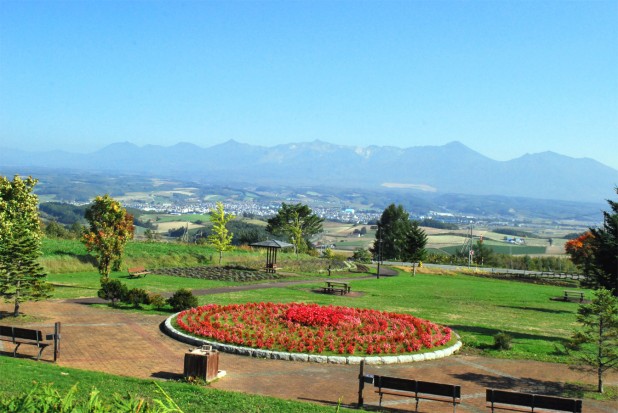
[[310, 328]]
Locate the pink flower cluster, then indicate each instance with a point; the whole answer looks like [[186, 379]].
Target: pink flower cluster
[[311, 328]]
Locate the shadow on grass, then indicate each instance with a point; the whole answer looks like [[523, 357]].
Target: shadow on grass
[[541, 310], [523, 384], [492, 332], [84, 258]]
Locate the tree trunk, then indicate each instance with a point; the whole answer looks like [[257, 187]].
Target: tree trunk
[[16, 309], [220, 256], [600, 378]]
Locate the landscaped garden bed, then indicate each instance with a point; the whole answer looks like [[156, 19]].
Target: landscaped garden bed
[[235, 273], [313, 329]]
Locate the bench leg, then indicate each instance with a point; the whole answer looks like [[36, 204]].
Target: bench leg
[[417, 400], [380, 402], [15, 349]]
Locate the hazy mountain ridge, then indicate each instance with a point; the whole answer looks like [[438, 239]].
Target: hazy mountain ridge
[[451, 168]]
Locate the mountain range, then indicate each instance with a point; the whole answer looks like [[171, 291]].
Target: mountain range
[[450, 168]]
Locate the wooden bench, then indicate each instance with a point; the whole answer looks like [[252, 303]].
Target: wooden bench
[[137, 272], [575, 294], [418, 390], [507, 399], [333, 287], [19, 336]]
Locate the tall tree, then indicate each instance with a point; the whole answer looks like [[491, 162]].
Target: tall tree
[[596, 251], [482, 253], [597, 340], [297, 222], [109, 230], [21, 276], [392, 236], [415, 242], [220, 238], [605, 246]]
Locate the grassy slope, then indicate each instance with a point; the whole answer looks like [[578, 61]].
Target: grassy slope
[[190, 398]]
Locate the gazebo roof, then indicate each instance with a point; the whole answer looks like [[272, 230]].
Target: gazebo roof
[[272, 243]]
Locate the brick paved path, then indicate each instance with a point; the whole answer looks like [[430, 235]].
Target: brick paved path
[[132, 344]]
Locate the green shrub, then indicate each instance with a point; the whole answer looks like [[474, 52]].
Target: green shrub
[[502, 341], [157, 300], [362, 255], [136, 297], [112, 290], [182, 299]]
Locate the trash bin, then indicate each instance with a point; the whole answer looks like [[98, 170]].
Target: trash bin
[[202, 362]]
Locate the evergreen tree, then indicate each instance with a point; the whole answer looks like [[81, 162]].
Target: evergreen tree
[[416, 240], [597, 340], [596, 252], [605, 247], [297, 222], [392, 235], [22, 278], [220, 238]]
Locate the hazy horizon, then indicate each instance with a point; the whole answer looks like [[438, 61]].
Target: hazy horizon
[[504, 78]]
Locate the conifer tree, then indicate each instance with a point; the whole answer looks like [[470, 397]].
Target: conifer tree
[[597, 339], [22, 278]]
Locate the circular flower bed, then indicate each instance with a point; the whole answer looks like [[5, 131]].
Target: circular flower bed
[[310, 328]]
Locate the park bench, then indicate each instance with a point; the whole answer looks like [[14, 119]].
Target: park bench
[[418, 390], [333, 287], [19, 336], [505, 400], [137, 272], [573, 294]]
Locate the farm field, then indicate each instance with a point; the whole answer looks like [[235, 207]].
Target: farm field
[[449, 241]]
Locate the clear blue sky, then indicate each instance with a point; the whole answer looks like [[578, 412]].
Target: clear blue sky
[[503, 77]]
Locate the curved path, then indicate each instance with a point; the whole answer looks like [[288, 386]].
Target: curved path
[[131, 344]]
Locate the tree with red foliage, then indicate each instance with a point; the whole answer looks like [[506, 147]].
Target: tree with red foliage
[[596, 251]]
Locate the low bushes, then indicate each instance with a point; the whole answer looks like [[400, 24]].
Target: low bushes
[[115, 291]]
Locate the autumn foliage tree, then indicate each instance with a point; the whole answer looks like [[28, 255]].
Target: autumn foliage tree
[[596, 251], [110, 227]]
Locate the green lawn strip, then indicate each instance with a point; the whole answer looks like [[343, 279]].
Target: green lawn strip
[[86, 284], [19, 376], [476, 308]]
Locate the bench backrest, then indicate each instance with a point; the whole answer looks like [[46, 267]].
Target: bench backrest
[[137, 269], [23, 333], [533, 400], [417, 386]]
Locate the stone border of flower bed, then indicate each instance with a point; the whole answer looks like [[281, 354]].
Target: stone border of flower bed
[[312, 358]]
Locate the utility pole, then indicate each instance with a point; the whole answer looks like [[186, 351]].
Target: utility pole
[[379, 250]]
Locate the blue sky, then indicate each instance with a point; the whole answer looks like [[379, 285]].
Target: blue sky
[[503, 77]]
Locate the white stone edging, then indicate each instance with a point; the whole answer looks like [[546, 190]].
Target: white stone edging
[[311, 358]]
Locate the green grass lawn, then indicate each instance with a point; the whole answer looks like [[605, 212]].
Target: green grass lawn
[[476, 308], [190, 398]]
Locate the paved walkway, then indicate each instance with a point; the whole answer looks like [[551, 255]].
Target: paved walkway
[[131, 344]]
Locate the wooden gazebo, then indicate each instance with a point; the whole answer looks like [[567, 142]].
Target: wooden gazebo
[[271, 252]]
